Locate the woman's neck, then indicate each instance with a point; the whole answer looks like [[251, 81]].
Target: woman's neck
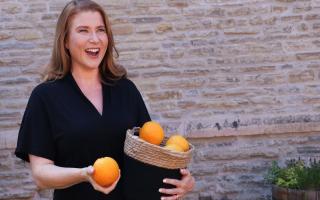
[[87, 78]]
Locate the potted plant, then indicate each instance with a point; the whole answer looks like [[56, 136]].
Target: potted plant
[[295, 181]]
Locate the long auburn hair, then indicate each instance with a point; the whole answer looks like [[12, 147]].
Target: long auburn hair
[[60, 62]]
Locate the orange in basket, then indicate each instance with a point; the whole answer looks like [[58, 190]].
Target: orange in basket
[[180, 141], [174, 147], [152, 132]]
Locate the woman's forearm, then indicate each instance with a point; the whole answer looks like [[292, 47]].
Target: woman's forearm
[[47, 175], [54, 177]]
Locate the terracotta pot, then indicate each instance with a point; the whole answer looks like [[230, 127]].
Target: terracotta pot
[[279, 193]]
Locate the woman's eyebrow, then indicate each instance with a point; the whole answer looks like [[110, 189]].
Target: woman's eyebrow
[[86, 27], [82, 27], [101, 26]]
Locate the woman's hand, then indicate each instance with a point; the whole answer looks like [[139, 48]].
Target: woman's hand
[[88, 172], [183, 186]]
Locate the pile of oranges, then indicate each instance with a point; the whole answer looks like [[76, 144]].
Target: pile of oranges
[[153, 133]]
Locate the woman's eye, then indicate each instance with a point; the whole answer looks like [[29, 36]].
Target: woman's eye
[[102, 30], [83, 31]]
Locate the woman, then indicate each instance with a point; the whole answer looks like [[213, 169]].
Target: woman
[[82, 110]]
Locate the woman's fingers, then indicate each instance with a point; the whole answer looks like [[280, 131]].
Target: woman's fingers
[[174, 197], [187, 180], [96, 186], [90, 170], [107, 190], [174, 182], [185, 172], [173, 191]]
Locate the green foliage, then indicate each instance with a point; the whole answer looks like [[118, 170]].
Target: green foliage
[[273, 173], [296, 175]]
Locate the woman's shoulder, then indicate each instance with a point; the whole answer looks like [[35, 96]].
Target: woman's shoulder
[[47, 87], [127, 87], [126, 83]]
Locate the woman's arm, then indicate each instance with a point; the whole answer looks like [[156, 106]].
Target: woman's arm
[[47, 175]]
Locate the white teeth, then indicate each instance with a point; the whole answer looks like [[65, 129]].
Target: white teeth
[[93, 50]]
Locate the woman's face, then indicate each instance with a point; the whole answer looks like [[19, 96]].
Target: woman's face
[[87, 40]]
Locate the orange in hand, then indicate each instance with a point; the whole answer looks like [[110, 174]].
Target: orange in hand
[[151, 132], [106, 171], [180, 141]]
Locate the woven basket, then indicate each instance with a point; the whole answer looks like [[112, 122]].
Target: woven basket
[[155, 155]]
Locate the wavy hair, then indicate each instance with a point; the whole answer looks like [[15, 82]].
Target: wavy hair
[[60, 62]]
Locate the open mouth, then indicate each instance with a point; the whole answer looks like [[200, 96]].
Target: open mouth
[[93, 52]]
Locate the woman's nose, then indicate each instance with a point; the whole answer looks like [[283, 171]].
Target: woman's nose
[[94, 37]]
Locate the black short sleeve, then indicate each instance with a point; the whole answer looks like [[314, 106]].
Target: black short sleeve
[[35, 135]]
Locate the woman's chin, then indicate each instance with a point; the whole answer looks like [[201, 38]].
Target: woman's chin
[[92, 65]]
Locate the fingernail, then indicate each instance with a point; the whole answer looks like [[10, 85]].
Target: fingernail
[[160, 190], [90, 169]]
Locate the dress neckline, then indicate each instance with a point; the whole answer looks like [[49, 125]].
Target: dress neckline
[[76, 86]]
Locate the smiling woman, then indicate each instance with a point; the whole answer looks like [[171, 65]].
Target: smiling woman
[[82, 110]]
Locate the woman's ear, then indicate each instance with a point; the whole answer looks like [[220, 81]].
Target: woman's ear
[[66, 44]]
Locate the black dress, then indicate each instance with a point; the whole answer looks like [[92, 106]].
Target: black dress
[[62, 125]]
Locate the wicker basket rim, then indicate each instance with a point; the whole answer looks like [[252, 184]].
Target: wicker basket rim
[[131, 132]]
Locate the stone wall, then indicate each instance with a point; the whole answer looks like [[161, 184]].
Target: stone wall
[[239, 78]]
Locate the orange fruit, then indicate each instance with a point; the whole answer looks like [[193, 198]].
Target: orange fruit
[[151, 132], [174, 147], [106, 171], [180, 141]]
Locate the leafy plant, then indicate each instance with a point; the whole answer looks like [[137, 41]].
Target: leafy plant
[[296, 174]]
